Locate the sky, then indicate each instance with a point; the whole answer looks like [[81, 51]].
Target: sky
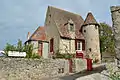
[[18, 17]]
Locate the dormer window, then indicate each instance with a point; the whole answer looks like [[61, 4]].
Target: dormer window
[[71, 25]]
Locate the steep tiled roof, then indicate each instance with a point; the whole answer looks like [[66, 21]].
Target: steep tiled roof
[[90, 19], [61, 18], [39, 34]]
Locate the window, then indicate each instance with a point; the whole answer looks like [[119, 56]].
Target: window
[[96, 27], [50, 15], [90, 49], [71, 27], [84, 31], [79, 46], [71, 24]]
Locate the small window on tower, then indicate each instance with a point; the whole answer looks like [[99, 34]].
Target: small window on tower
[[84, 30], [50, 15], [90, 49], [96, 27]]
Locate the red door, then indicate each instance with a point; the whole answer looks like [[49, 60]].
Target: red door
[[70, 65], [40, 49]]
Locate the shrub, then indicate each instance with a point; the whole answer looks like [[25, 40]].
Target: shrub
[[114, 74], [28, 48]]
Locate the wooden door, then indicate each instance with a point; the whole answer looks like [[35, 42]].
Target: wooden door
[[51, 44], [40, 49]]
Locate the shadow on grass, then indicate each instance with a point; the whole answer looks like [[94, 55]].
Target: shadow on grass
[[84, 73]]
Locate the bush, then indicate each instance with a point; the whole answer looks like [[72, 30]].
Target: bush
[[114, 74], [64, 56], [36, 55], [28, 48]]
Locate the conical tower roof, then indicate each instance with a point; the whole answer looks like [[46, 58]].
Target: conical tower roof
[[90, 20]]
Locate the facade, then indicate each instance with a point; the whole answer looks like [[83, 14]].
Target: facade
[[40, 44], [62, 29], [67, 33]]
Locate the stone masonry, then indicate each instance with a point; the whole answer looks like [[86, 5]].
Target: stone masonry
[[31, 69], [115, 10]]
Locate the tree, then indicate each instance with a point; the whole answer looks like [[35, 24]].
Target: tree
[[28, 48], [9, 47], [106, 38], [20, 47]]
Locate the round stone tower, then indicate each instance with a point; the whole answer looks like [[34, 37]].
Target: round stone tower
[[91, 33]]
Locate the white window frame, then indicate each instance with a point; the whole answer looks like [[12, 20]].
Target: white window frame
[[79, 45]]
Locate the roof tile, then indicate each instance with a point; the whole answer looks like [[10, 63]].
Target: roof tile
[[39, 34], [61, 17]]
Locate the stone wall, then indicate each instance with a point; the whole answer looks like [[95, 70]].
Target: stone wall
[[80, 65], [31, 69], [67, 46], [115, 10]]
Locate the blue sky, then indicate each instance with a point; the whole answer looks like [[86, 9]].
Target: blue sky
[[17, 17]]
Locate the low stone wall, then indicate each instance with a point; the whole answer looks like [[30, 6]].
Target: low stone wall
[[80, 65], [31, 69]]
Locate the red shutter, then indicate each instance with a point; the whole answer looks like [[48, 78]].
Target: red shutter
[[51, 44], [40, 47], [83, 45], [75, 44]]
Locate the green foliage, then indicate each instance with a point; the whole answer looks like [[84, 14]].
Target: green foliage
[[115, 77], [113, 73], [35, 55], [64, 56], [106, 38], [9, 47], [19, 46], [28, 48]]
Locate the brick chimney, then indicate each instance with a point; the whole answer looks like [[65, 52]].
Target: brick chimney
[[28, 35]]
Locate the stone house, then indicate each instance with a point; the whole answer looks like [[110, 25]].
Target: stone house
[[67, 32], [39, 41]]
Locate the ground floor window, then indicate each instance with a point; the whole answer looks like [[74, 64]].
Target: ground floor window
[[79, 45]]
